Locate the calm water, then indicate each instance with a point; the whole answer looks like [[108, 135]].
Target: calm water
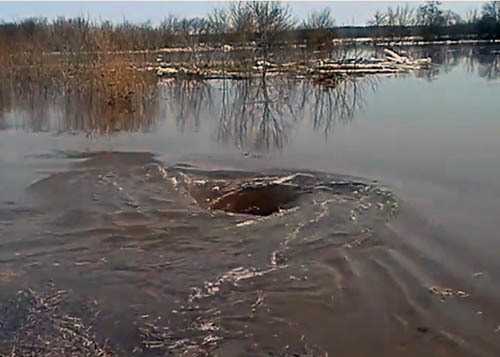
[[148, 250]]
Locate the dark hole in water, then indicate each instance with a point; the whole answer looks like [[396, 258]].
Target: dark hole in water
[[262, 200], [422, 329]]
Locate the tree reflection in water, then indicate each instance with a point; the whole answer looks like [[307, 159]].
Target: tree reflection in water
[[260, 114], [187, 100], [256, 114], [50, 104], [487, 65], [483, 60]]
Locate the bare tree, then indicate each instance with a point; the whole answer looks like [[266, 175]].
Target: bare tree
[[319, 26], [491, 10], [319, 20], [471, 16], [430, 14], [405, 15], [241, 20], [451, 18], [271, 20], [218, 22], [391, 17], [379, 18]]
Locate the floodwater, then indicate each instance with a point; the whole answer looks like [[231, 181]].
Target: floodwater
[[264, 218]]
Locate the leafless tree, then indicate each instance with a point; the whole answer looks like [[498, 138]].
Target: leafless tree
[[379, 18], [405, 15], [271, 19], [391, 17], [218, 22], [319, 20], [471, 16], [319, 27], [451, 18], [491, 10], [242, 22], [430, 14]]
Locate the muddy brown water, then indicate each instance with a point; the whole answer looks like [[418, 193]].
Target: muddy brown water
[[271, 218]]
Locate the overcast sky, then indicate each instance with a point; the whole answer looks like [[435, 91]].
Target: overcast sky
[[346, 12]]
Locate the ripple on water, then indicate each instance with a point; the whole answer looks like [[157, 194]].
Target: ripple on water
[[196, 245]]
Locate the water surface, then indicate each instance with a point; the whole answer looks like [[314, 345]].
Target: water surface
[[388, 242]]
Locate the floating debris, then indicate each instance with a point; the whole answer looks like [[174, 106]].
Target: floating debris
[[327, 71], [447, 292], [7, 276], [35, 324]]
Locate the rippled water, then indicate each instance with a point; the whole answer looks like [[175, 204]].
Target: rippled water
[[271, 217]]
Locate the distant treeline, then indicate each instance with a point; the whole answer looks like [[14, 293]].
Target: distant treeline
[[256, 23], [430, 21]]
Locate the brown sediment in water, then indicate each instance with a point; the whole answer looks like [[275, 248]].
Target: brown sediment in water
[[344, 271], [171, 274], [87, 243]]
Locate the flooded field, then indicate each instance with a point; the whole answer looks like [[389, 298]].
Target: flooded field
[[269, 217]]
